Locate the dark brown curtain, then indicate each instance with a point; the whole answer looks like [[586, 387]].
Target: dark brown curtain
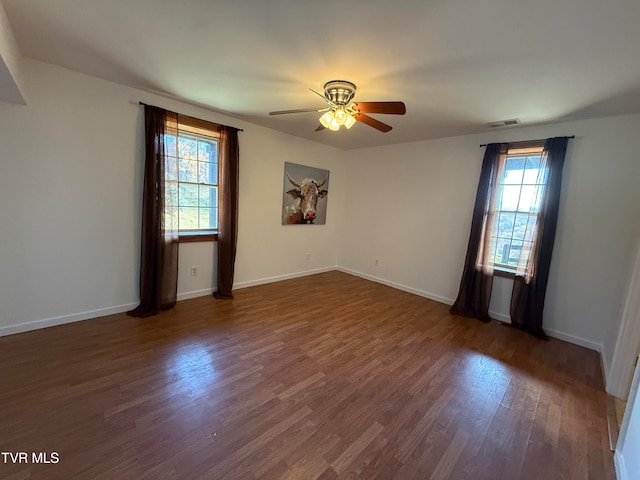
[[159, 256], [477, 277], [228, 210], [527, 299]]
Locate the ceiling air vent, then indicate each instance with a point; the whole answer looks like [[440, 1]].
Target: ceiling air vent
[[504, 123]]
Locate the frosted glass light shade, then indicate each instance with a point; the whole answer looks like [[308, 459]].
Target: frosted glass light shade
[[349, 121], [341, 116], [325, 120], [334, 119]]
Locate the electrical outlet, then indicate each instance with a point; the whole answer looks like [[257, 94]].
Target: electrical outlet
[[194, 271], [376, 262]]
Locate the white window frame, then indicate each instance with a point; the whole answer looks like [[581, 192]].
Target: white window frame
[[504, 267]]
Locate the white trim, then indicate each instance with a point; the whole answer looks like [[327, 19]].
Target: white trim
[[621, 469], [88, 315], [195, 294], [50, 322], [101, 312], [583, 342], [626, 350], [398, 286], [278, 278], [54, 321], [500, 316]]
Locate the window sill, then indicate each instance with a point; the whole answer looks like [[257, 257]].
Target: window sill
[[189, 237], [498, 272]]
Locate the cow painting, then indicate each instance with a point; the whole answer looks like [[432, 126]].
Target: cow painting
[[300, 204]]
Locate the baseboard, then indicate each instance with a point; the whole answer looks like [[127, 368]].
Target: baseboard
[[575, 340], [195, 294], [91, 314], [500, 317], [54, 321], [253, 283], [77, 317], [399, 286], [562, 336], [88, 315], [278, 278]]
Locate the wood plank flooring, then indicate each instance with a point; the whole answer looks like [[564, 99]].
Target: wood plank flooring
[[323, 377]]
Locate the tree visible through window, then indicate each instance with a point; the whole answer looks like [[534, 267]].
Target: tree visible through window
[[195, 191], [516, 206]]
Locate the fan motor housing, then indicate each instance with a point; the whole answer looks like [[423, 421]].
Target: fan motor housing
[[339, 92]]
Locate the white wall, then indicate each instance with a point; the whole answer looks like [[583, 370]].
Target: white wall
[[410, 206], [201, 255], [268, 250], [71, 168]]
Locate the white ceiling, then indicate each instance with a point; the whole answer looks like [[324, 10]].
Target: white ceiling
[[457, 64]]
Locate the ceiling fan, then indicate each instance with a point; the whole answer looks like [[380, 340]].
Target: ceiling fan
[[338, 94]]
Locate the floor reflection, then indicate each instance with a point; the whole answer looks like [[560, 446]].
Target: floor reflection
[[191, 369]]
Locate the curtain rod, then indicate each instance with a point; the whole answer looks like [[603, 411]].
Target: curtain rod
[[528, 141], [228, 126]]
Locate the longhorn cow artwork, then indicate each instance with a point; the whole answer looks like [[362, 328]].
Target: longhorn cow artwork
[[304, 196]]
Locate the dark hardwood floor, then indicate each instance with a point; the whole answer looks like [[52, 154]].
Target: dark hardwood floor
[[328, 376]]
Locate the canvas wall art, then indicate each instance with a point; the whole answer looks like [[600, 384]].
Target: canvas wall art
[[304, 195]]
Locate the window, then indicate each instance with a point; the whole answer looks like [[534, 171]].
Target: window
[[515, 208], [195, 150]]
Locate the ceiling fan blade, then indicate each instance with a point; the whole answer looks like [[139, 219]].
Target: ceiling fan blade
[[393, 108], [320, 127], [372, 122], [300, 110], [319, 94]]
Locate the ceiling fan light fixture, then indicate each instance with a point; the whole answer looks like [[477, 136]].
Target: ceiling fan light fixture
[[341, 116], [341, 112], [325, 120], [339, 92], [349, 122], [334, 119]]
